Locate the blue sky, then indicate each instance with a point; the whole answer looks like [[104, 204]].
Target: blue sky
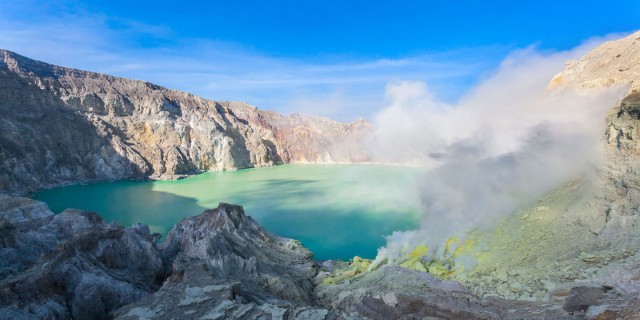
[[332, 58]]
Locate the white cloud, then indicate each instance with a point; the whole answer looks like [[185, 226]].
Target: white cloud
[[227, 71]]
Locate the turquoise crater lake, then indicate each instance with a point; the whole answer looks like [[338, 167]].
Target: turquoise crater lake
[[337, 211]]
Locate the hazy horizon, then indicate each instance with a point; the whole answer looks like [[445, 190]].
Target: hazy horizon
[[336, 59]]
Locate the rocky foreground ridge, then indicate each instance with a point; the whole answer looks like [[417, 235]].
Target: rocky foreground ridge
[[62, 125], [220, 265]]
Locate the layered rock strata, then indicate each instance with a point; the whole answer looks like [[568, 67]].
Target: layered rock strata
[[62, 125]]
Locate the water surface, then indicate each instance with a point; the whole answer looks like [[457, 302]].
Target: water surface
[[337, 211]]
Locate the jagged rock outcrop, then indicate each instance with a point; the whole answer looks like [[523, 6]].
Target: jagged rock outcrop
[[72, 265], [227, 266], [62, 125], [233, 246], [393, 292]]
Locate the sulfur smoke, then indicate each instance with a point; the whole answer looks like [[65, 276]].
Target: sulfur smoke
[[504, 144]]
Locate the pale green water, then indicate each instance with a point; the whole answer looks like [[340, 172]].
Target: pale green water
[[337, 211]]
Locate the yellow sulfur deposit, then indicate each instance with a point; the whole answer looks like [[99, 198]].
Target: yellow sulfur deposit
[[452, 241], [439, 266], [466, 247], [419, 252], [414, 264], [420, 259], [438, 269], [356, 266], [414, 258]]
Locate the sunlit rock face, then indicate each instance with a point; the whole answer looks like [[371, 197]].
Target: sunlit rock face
[[616, 196], [612, 63], [62, 125]]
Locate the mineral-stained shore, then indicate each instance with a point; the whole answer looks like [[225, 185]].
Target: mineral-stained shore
[[573, 255]]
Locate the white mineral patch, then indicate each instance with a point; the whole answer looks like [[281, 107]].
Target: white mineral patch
[[199, 294], [219, 311], [390, 299], [144, 313]]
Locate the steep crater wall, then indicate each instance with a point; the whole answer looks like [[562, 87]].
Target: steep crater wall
[[62, 125]]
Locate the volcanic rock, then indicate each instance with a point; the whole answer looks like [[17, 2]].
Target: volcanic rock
[[62, 126], [72, 265]]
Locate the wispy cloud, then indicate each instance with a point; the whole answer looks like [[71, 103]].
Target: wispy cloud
[[340, 87]]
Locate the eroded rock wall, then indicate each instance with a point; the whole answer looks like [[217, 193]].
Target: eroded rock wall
[[612, 211], [61, 125]]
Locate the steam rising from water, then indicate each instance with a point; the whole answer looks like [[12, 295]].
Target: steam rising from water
[[508, 141]]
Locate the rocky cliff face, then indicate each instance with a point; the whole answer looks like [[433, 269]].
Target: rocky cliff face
[[613, 62], [616, 189], [61, 125]]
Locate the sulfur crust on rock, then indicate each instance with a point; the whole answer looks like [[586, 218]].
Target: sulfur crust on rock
[[349, 270]]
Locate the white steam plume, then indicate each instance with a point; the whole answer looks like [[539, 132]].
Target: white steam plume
[[503, 145]]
